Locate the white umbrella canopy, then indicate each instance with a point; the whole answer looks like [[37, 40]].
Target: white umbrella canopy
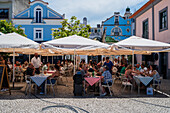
[[138, 43], [74, 42], [14, 40]]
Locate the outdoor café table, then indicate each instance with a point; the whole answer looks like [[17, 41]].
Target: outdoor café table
[[50, 72], [39, 79], [92, 81], [141, 79]]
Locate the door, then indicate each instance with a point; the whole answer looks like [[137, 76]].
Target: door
[[163, 63]]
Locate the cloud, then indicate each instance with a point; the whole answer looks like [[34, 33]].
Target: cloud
[[95, 10]]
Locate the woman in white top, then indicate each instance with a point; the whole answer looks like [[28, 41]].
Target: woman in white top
[[154, 73]]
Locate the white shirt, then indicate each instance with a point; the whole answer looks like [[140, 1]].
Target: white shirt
[[70, 66], [45, 67], [36, 62]]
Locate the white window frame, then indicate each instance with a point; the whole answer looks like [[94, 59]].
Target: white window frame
[[41, 34], [113, 33], [115, 18], [41, 13]]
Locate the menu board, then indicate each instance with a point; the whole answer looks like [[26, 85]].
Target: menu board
[[1, 74], [4, 82]]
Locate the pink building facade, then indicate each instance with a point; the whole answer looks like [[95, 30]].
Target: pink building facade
[[152, 21]]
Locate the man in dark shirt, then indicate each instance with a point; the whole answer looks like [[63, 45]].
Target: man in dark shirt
[[109, 64], [123, 60], [30, 70]]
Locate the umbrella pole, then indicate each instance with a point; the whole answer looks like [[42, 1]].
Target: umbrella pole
[[47, 58], [74, 63], [40, 58], [52, 60], [13, 66], [29, 58], [78, 62], [133, 60]]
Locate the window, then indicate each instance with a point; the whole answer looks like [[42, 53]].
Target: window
[[116, 31], [163, 19], [127, 29], [38, 15], [4, 13], [116, 20], [145, 29], [98, 31], [127, 17], [92, 30], [38, 34]]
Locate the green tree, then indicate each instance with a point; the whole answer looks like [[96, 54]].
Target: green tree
[[73, 27], [8, 27], [109, 39]]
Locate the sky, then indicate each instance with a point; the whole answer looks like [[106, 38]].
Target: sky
[[96, 11]]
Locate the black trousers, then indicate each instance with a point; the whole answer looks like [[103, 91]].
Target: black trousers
[[37, 70]]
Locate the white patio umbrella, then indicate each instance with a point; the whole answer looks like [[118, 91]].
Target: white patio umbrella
[[14, 40], [73, 43], [141, 44]]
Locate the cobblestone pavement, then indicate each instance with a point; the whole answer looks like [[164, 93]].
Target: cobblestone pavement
[[88, 105], [65, 102]]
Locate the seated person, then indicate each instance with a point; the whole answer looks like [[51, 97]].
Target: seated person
[[30, 70], [154, 74], [10, 66], [114, 70], [83, 70], [143, 70], [122, 71], [107, 78], [17, 64], [62, 70], [24, 68], [138, 67], [46, 67], [99, 69], [136, 72], [148, 71], [2, 61], [50, 79], [25, 65], [128, 73]]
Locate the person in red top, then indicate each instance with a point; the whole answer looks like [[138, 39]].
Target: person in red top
[[17, 64]]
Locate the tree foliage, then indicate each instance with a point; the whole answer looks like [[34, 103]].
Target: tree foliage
[[8, 27], [110, 39], [72, 27]]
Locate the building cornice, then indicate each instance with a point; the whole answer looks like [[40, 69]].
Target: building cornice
[[38, 1], [145, 8]]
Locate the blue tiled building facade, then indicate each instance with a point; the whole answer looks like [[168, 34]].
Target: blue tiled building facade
[[118, 27], [39, 21]]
